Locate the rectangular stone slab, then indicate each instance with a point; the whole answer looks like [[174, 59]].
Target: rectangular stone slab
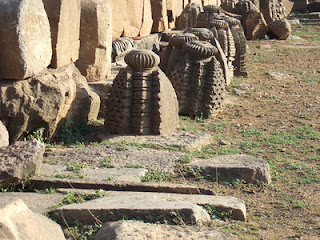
[[47, 182], [237, 166], [119, 207], [100, 174], [225, 203]]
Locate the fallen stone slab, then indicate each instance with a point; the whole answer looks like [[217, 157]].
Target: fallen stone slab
[[224, 203], [19, 222], [124, 230], [101, 174], [238, 166], [19, 160], [118, 154], [120, 207], [25, 40], [42, 183], [4, 135], [36, 202], [180, 139]]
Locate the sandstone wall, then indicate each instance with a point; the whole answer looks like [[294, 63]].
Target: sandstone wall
[[133, 18]]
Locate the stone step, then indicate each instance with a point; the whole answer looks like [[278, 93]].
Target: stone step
[[223, 203], [121, 207], [117, 154], [124, 230], [237, 166], [101, 174], [42, 183]]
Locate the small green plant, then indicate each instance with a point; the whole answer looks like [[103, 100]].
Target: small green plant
[[47, 191], [82, 231], [22, 186], [107, 163], [72, 132], [63, 175], [298, 204], [190, 172], [252, 133], [71, 198], [75, 167], [155, 176], [218, 213], [133, 166], [186, 158], [38, 135], [79, 145], [226, 151], [220, 125]]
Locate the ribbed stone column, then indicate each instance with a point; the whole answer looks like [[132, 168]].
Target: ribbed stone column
[[222, 32], [207, 84], [177, 42], [142, 62], [142, 99], [240, 46]]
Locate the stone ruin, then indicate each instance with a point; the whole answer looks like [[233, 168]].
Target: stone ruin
[[47, 69], [142, 100], [198, 80], [92, 48]]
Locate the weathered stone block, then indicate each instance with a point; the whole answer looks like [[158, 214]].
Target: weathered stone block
[[64, 18], [25, 39], [132, 18], [159, 15], [250, 169], [280, 29], [20, 160], [45, 100], [235, 205], [19, 222], [115, 208], [124, 230], [4, 135], [96, 40]]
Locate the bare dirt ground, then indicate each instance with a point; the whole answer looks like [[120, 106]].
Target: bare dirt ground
[[277, 119]]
